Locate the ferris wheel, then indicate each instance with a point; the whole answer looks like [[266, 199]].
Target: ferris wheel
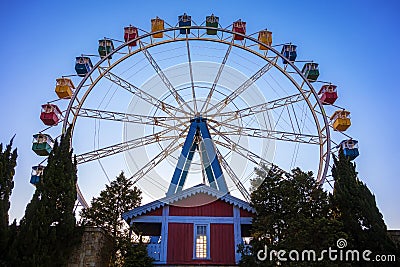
[[190, 103]]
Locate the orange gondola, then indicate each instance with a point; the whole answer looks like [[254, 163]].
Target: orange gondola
[[264, 37]]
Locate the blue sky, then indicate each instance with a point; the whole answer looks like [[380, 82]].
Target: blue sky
[[355, 42]]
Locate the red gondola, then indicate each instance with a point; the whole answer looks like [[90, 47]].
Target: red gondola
[[239, 27], [50, 114], [327, 94], [130, 33]]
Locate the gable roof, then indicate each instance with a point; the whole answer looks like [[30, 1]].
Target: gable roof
[[185, 194]]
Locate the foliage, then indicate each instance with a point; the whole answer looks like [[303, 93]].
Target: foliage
[[292, 213], [355, 207], [106, 211], [8, 161], [136, 255], [48, 230]]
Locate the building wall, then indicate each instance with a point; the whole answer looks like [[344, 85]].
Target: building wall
[[178, 223], [395, 236], [95, 249], [180, 243], [217, 208], [181, 240], [222, 244]]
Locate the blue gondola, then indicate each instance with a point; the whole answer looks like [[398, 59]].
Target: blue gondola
[[36, 175], [349, 148], [185, 21], [83, 65], [289, 52]]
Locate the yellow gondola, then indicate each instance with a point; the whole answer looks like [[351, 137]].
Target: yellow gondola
[[264, 37], [157, 24], [64, 88], [341, 120]]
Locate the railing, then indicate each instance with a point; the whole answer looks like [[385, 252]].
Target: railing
[[153, 250]]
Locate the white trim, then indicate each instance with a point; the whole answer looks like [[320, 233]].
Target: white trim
[[208, 240]]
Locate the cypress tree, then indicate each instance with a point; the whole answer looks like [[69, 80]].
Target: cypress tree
[[355, 207], [48, 230], [8, 161]]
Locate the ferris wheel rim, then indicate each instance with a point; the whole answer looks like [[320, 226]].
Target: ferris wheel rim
[[324, 157]]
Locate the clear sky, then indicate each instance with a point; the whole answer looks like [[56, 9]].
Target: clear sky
[[356, 42]]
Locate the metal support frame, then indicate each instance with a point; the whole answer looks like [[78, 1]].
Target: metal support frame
[[146, 42], [199, 138]]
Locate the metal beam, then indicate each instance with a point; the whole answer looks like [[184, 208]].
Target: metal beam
[[191, 74], [259, 108], [131, 118], [124, 146], [270, 134], [233, 176], [244, 152], [157, 159], [214, 85], [246, 84], [167, 108], [163, 77]]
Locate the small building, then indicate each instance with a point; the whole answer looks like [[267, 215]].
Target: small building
[[197, 226]]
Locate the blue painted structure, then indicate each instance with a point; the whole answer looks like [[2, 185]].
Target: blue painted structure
[[349, 148], [198, 138], [289, 52], [83, 65], [184, 21], [36, 175]]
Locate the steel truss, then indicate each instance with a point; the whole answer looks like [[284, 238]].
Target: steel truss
[[216, 116]]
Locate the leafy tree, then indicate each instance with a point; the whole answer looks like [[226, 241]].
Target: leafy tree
[[106, 211], [8, 161], [48, 230], [355, 207], [292, 213]]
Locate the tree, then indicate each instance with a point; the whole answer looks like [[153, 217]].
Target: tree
[[136, 255], [48, 230], [8, 161], [106, 211], [292, 213], [355, 207]]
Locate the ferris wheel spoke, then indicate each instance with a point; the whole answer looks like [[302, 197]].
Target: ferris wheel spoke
[[244, 152], [167, 108], [191, 74], [244, 86], [259, 108], [131, 118], [221, 68], [270, 134], [158, 158], [164, 78], [233, 176], [124, 146]]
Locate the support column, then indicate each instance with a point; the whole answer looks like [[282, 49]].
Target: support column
[[237, 231], [164, 235]]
